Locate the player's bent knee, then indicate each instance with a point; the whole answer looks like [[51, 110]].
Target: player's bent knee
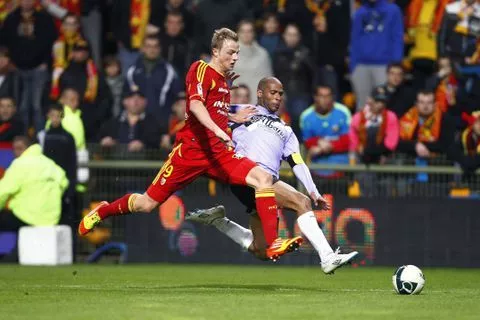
[[144, 203]]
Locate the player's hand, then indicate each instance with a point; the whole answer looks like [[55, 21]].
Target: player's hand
[[243, 115], [108, 142], [325, 146], [222, 135], [165, 142], [230, 77], [135, 146], [320, 201]]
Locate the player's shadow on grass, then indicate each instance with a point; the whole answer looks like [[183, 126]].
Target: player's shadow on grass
[[261, 288]]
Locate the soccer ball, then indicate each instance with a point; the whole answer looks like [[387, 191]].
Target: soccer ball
[[408, 279]]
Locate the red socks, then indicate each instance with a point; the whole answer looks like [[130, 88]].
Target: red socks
[[267, 211], [124, 205]]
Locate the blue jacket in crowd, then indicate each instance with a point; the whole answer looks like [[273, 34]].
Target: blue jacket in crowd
[[160, 87], [377, 34]]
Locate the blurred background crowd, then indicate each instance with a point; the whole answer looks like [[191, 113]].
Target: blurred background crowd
[[363, 79]]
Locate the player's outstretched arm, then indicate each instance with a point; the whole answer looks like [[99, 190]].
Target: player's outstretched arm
[[241, 113], [201, 113], [294, 158]]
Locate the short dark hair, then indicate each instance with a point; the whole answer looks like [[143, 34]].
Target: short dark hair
[[221, 35], [23, 139], [270, 15], [323, 86], [70, 89], [426, 92], [243, 86], [110, 60], [56, 106], [395, 65], [175, 13]]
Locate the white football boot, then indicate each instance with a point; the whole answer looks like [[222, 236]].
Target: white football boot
[[336, 260]]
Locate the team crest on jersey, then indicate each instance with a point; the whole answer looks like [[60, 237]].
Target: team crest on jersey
[[335, 128], [162, 181], [237, 156]]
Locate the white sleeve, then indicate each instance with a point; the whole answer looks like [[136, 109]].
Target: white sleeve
[[303, 174]]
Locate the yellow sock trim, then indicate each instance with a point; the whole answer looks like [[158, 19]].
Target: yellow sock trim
[[131, 202]]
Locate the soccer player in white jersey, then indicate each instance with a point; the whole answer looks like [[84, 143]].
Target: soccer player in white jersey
[[267, 140]]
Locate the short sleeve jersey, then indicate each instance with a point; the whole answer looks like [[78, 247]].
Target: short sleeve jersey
[[205, 84]]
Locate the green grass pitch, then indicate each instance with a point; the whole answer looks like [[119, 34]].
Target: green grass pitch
[[208, 292]]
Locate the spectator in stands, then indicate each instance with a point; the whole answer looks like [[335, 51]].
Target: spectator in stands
[[445, 84], [73, 123], [459, 30], [298, 13], [212, 15], [271, 38], [62, 50], [177, 121], [376, 40], [58, 144], [33, 185], [294, 67], [401, 97], [253, 61], [423, 21], [156, 79], [178, 6], [241, 95], [83, 76], [10, 81], [425, 130], [29, 34], [115, 81], [374, 133], [176, 48], [330, 40], [325, 127], [71, 119], [134, 128], [469, 145], [132, 20], [10, 125]]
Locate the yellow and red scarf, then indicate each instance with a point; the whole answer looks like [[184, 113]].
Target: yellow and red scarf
[[413, 14], [429, 131], [6, 6], [362, 129], [139, 16], [445, 93], [470, 141], [61, 57]]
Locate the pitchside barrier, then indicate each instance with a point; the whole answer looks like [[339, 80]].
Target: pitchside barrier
[[391, 214]]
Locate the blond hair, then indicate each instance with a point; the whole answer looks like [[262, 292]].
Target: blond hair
[[221, 35]]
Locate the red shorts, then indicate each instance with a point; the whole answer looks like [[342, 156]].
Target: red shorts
[[187, 161]]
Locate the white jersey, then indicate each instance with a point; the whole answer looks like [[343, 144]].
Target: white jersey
[[264, 139]]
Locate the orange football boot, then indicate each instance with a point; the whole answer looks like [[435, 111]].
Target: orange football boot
[[91, 220], [282, 246]]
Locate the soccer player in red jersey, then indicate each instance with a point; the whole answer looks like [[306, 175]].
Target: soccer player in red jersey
[[203, 147]]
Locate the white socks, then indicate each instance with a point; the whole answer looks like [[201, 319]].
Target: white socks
[[309, 226], [234, 231]]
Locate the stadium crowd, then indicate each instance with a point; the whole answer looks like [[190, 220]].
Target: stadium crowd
[[363, 79]]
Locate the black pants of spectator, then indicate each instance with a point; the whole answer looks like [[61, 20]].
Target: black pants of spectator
[[9, 222]]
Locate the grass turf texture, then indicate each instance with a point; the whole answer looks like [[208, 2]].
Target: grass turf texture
[[230, 292]]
